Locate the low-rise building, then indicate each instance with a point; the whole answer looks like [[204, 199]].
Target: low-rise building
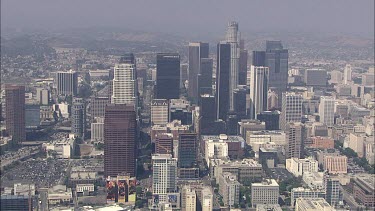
[[318, 204], [336, 164], [59, 194], [299, 166], [321, 142], [63, 148], [364, 189], [313, 180], [245, 170], [305, 193], [85, 189]]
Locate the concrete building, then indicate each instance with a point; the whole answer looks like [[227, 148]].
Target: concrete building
[[265, 192], [336, 77], [266, 136], [299, 166], [294, 140], [164, 175], [78, 117], [85, 189], [305, 193], [97, 130], [268, 207], [347, 74], [336, 164], [62, 148], [67, 83], [124, 82], [320, 142], [221, 146], [159, 112], [327, 110], [245, 170], [59, 194], [164, 144], [314, 180], [332, 189], [291, 110], [363, 189], [318, 204], [197, 51], [316, 77], [258, 90], [356, 143], [229, 189], [206, 199], [42, 96], [188, 199], [97, 106]]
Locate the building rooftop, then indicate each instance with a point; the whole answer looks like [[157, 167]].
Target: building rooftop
[[223, 138], [266, 182]]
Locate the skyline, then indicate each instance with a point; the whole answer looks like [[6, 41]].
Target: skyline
[[348, 18]]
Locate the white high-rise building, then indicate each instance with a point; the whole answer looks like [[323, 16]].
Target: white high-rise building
[[67, 83], [163, 175], [124, 82], [327, 110], [347, 74], [206, 199], [233, 38], [291, 109], [258, 77]]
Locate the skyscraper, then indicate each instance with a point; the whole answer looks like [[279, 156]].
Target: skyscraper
[[327, 110], [167, 76], [119, 140], [259, 58], [163, 175], [291, 109], [67, 83], [347, 74], [243, 64], [159, 112], [187, 150], [164, 144], [294, 140], [78, 117], [332, 189], [222, 80], [197, 51], [15, 112], [205, 77], [233, 39], [277, 62], [258, 90], [124, 82]]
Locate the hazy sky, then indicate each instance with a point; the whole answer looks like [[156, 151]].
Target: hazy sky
[[194, 16]]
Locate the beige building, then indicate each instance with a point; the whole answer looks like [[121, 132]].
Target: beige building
[[294, 140], [159, 112], [206, 199], [299, 166], [266, 192], [356, 143], [188, 199], [336, 164], [318, 204], [229, 189]]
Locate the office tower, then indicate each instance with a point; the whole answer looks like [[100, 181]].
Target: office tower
[[187, 150], [167, 76], [67, 83], [206, 199], [277, 62], [97, 106], [32, 116], [312, 204], [42, 96], [332, 188], [164, 144], [163, 175], [180, 109], [159, 112], [336, 77], [291, 109], [78, 117], [188, 199], [347, 74], [271, 118], [258, 90], [316, 77], [197, 51], [184, 74], [205, 77], [243, 64], [259, 58], [97, 130], [240, 106], [229, 189], [125, 82], [233, 39], [222, 80], [272, 100], [294, 140], [17, 202], [119, 140], [327, 110], [15, 112], [265, 192], [207, 115]]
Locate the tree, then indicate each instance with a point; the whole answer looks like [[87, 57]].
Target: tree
[[349, 153], [139, 190], [139, 203], [148, 194]]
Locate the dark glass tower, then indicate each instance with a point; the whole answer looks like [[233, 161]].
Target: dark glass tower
[[205, 77], [119, 140], [259, 58], [222, 80], [187, 150], [15, 112], [271, 118], [197, 51], [243, 67], [167, 76], [207, 114]]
